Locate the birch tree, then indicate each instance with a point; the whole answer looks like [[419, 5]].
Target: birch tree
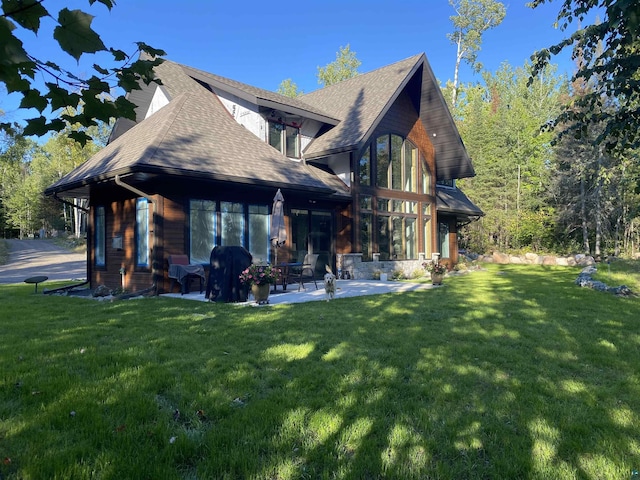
[[472, 19]]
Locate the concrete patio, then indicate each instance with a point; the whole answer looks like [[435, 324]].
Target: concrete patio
[[344, 289]]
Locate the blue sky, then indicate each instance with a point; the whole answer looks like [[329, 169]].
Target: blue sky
[[263, 43]]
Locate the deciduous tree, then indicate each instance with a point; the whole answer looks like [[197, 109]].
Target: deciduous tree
[[288, 88], [345, 66], [610, 48], [472, 19]]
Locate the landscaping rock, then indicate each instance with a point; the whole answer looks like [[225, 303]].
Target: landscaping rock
[[584, 280], [501, 258], [101, 291], [532, 257]]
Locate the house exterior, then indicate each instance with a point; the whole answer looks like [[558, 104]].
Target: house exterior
[[367, 168]]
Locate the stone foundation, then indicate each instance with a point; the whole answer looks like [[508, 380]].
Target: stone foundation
[[350, 265]]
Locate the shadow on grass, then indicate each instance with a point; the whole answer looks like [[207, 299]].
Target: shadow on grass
[[510, 373]]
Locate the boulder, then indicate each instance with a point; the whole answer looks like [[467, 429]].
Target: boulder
[[548, 260], [501, 258], [532, 257], [582, 259]]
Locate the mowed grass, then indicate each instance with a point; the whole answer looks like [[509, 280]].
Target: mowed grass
[[511, 372]]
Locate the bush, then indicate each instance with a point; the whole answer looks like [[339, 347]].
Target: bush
[[398, 275]]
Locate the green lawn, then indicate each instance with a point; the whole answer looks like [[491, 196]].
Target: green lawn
[[512, 372]]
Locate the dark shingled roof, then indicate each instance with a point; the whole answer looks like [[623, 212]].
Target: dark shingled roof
[[195, 135], [258, 96], [452, 200], [178, 139], [362, 101]]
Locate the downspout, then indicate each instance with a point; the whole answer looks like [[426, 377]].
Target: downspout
[[149, 198]]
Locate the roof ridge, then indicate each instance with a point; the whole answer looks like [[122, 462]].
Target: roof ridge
[[365, 74]]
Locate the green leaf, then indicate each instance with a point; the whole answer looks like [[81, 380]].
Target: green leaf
[[12, 79], [153, 52], [57, 125], [36, 126], [74, 34], [79, 136], [128, 80], [109, 3], [118, 55], [7, 128], [60, 97], [126, 108], [33, 99], [100, 70], [26, 12], [11, 51]]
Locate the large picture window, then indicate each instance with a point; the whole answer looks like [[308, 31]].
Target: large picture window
[[396, 165], [232, 223], [259, 233], [392, 173], [100, 237], [214, 223], [364, 171], [142, 232], [202, 225]]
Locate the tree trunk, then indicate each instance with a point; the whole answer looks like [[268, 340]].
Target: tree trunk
[[583, 215], [598, 209], [454, 94]]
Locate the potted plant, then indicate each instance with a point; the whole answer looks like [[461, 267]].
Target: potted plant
[[260, 278], [437, 271]]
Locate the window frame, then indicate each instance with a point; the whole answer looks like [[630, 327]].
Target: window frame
[[284, 131], [245, 217], [395, 224], [143, 256], [100, 237]]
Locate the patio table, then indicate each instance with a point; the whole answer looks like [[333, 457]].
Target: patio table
[[285, 268]]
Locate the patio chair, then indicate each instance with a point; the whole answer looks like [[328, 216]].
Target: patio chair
[[307, 271]]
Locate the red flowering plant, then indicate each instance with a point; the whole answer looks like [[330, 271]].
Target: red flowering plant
[[436, 268], [259, 275]]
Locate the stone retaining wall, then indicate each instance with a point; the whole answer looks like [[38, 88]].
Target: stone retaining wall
[[535, 259], [350, 265]]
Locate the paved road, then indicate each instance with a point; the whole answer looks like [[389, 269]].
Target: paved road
[[42, 257]]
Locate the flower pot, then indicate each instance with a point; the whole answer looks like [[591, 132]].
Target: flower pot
[[261, 293], [436, 278]]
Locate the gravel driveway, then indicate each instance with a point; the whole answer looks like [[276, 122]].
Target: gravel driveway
[[42, 257]]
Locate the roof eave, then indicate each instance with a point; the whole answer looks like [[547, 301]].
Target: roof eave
[[263, 102], [87, 182]]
